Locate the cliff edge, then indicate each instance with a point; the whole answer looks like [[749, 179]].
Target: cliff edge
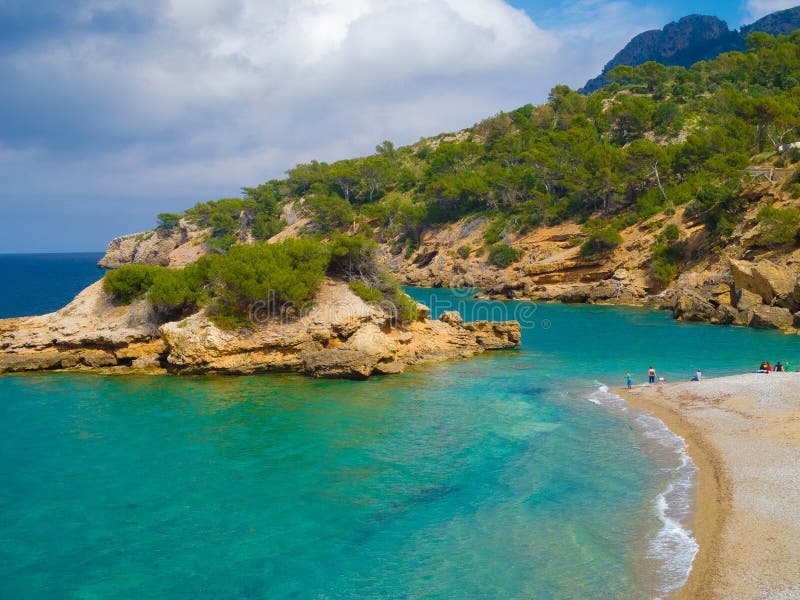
[[341, 336]]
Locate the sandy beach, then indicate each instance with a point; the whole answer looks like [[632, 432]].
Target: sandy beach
[[743, 433]]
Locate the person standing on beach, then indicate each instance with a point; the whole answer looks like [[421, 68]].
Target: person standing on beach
[[651, 375], [628, 378]]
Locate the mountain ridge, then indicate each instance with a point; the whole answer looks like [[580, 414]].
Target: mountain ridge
[[691, 39]]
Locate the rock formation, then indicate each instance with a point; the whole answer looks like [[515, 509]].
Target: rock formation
[[342, 336], [167, 247]]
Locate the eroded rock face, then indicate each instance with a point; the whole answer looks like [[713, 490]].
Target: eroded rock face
[[691, 306], [90, 331], [341, 336], [175, 247], [771, 317], [774, 284]]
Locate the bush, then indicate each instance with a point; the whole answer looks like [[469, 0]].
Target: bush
[[672, 233], [464, 251], [330, 212], [278, 275], [602, 237], [666, 260], [503, 255], [177, 293], [779, 227], [366, 293], [130, 282]]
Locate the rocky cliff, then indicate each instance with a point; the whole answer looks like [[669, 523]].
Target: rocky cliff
[[168, 247], [692, 39], [342, 336]]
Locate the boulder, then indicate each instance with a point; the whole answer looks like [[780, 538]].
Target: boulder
[[451, 317], [747, 300], [773, 283], [771, 317], [690, 306], [727, 315], [494, 335]]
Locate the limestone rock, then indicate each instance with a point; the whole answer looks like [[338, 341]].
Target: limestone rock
[[771, 317], [173, 247], [727, 315], [91, 330], [451, 317], [747, 300], [690, 306], [341, 337], [773, 283]]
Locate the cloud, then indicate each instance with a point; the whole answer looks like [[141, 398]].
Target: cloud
[[179, 101], [759, 8]]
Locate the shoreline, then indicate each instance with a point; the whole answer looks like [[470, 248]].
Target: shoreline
[[736, 431]]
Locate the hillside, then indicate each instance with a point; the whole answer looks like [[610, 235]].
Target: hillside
[[672, 187], [692, 39]]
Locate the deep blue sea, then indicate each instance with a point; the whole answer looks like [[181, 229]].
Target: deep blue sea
[[510, 475]]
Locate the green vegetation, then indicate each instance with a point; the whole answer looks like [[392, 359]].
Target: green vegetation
[[267, 279], [656, 138], [668, 254], [503, 255], [464, 251], [129, 283], [779, 227], [602, 236]]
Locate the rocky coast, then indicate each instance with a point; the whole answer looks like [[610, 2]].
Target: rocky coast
[[341, 336]]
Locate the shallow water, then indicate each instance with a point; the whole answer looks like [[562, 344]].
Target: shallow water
[[492, 477]]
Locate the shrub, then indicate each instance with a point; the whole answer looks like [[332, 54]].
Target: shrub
[[778, 226], [672, 233], [464, 251], [330, 212], [279, 275], [494, 231], [353, 257], [176, 293], [503, 255], [130, 282], [602, 237], [366, 293], [667, 258]]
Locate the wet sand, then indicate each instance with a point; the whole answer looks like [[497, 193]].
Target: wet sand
[[743, 433]]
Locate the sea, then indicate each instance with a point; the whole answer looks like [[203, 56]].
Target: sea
[[513, 474]]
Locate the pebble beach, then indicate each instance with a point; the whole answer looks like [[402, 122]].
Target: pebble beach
[[743, 433]]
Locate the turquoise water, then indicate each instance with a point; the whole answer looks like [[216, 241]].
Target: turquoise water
[[492, 477]]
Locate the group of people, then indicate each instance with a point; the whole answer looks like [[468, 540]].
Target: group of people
[[779, 367], [764, 367], [651, 376]]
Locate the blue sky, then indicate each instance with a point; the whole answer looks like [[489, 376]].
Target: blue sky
[[114, 110]]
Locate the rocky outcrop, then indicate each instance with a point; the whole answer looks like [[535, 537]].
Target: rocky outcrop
[[91, 331], [774, 284], [167, 247], [771, 317], [691, 306], [341, 336]]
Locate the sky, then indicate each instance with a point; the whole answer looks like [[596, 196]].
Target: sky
[[112, 111]]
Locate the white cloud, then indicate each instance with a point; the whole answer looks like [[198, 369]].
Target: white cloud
[[217, 94], [759, 8]]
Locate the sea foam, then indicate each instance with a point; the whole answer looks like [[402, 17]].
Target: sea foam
[[674, 547]]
